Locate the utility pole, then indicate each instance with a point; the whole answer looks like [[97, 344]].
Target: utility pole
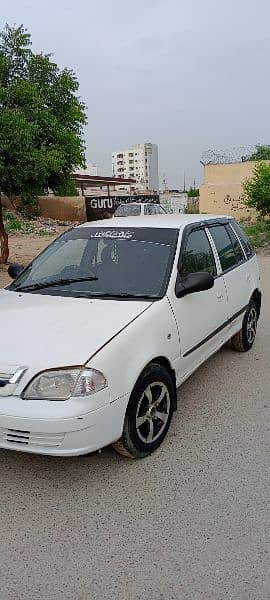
[[164, 181]]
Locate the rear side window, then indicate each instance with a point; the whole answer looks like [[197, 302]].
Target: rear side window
[[197, 255], [224, 247], [153, 209], [243, 239], [128, 210], [149, 209], [236, 246]]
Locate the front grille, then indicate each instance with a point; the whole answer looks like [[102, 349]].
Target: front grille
[[27, 438]]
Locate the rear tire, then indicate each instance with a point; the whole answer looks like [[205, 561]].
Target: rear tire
[[245, 338], [149, 413]]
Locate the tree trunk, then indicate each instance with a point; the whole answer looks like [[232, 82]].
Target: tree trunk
[[4, 251]]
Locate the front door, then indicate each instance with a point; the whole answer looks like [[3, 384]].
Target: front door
[[200, 316]]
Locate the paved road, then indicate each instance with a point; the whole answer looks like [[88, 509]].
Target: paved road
[[189, 523]]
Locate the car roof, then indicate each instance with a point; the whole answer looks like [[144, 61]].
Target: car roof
[[160, 221]]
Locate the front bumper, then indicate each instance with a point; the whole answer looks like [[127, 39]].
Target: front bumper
[[56, 436]]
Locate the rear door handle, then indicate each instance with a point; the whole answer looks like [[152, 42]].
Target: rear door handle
[[219, 297], [248, 277]]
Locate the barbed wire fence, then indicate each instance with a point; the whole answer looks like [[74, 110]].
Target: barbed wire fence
[[234, 155]]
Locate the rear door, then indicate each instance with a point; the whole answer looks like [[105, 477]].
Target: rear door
[[234, 271]]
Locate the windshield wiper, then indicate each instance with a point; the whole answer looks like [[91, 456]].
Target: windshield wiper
[[52, 283]]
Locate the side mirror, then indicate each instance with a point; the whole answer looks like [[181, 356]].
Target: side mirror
[[194, 282], [15, 270]]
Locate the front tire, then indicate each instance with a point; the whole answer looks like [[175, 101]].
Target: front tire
[[245, 338], [149, 413]]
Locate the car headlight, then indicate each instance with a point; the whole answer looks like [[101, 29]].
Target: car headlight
[[63, 383]]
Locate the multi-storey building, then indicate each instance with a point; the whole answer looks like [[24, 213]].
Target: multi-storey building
[[140, 163], [89, 170]]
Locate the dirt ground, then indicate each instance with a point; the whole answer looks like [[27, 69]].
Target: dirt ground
[[22, 249]]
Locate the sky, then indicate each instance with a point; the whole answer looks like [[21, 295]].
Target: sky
[[188, 75]]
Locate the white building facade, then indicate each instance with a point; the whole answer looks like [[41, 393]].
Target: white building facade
[[91, 169], [174, 201], [140, 163]]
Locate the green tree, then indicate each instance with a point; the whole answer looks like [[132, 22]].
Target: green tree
[[193, 192], [66, 187], [41, 124], [261, 153], [257, 189]]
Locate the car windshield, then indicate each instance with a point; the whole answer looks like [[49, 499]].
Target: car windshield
[[103, 262], [128, 210]]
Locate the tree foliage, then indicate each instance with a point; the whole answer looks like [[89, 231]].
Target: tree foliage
[[41, 121], [193, 192], [257, 189], [261, 153], [66, 187]]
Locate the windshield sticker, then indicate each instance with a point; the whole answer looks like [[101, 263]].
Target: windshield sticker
[[153, 235], [115, 234]]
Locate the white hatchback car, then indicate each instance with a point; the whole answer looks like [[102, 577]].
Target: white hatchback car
[[100, 330]]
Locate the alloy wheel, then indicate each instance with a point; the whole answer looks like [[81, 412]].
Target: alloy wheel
[[251, 325], [153, 412]]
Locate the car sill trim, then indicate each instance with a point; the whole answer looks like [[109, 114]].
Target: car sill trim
[[216, 331]]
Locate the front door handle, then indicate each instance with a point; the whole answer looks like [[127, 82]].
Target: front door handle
[[219, 297]]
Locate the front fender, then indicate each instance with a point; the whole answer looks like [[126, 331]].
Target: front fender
[[123, 359]]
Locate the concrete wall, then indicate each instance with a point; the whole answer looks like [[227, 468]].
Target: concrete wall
[[63, 208], [222, 192], [60, 208], [174, 202]]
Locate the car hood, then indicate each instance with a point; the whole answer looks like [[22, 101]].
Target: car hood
[[42, 331]]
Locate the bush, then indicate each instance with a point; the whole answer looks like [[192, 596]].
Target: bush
[[258, 233], [257, 189], [192, 210], [13, 224]]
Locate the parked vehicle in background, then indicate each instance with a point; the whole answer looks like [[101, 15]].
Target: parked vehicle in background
[[100, 330], [137, 209]]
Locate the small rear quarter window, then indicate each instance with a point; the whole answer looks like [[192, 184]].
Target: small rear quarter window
[[224, 246], [239, 253], [243, 239]]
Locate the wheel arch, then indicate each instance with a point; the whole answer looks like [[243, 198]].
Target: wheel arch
[[164, 362], [257, 298]]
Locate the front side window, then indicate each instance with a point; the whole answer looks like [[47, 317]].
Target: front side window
[[224, 246], [103, 262], [197, 255]]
